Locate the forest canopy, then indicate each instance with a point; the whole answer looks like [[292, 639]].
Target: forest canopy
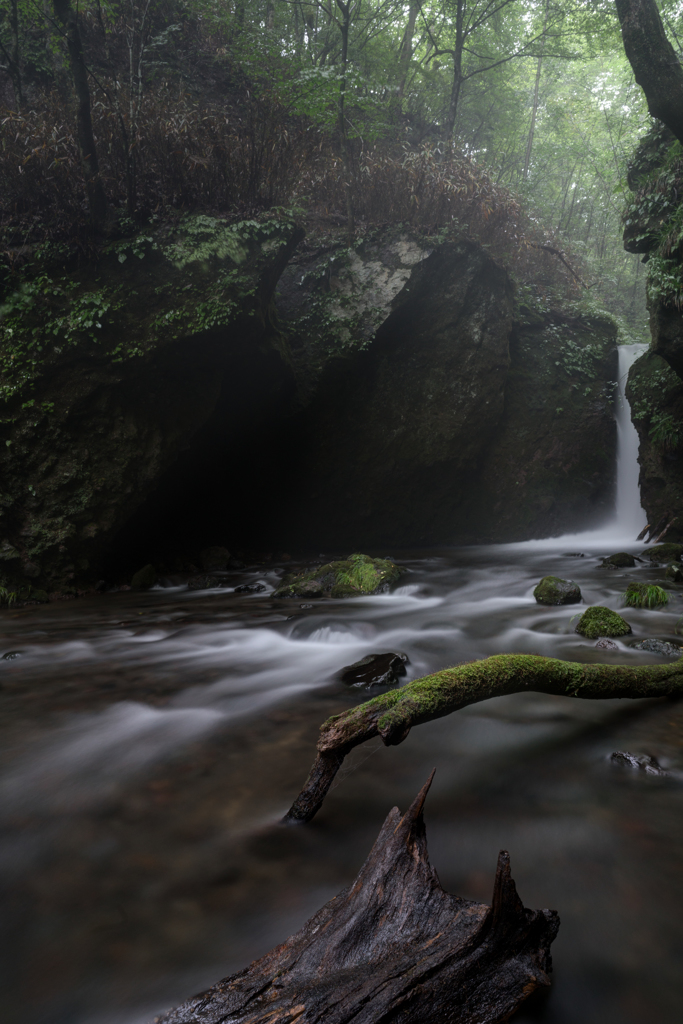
[[363, 111]]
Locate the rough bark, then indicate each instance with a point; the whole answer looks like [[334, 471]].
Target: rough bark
[[97, 202], [653, 59], [394, 947], [392, 715]]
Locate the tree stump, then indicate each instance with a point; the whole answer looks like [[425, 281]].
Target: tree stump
[[394, 947]]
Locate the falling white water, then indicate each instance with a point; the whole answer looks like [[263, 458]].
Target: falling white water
[[629, 514]]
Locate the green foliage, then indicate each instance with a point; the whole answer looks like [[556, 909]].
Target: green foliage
[[363, 575], [8, 597], [645, 595]]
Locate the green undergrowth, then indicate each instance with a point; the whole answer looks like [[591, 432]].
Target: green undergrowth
[[645, 595], [182, 279]]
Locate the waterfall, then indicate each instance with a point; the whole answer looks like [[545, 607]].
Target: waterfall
[[629, 517]]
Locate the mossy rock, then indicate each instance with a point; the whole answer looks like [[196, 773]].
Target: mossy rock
[[349, 577], [665, 553], [144, 578], [554, 590], [675, 572], [621, 560], [598, 621]]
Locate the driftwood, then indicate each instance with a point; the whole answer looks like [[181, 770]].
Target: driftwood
[[392, 715], [393, 948]]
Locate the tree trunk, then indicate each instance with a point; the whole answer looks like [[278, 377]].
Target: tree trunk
[[392, 715], [407, 47], [86, 141], [393, 947], [345, 9], [534, 109], [457, 72], [653, 59]]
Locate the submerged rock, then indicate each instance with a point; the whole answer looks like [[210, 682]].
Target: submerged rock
[[214, 558], [250, 588], [598, 621], [622, 560], [664, 553], [554, 590], [663, 647], [375, 670], [607, 645], [206, 582], [144, 578], [349, 577], [643, 762]]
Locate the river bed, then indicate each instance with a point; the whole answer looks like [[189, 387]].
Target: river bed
[[152, 742]]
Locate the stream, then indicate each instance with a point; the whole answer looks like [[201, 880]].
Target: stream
[[151, 743]]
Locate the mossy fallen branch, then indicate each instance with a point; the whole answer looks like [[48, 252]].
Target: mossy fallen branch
[[392, 715]]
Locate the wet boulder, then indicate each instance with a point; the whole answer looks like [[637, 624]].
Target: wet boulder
[[641, 762], [621, 560], [554, 590], [375, 670], [663, 647], [674, 573], [349, 577], [250, 588], [598, 621], [606, 645], [664, 553], [214, 558], [144, 578]]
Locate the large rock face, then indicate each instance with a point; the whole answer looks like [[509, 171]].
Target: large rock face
[[655, 393], [243, 390], [456, 424]]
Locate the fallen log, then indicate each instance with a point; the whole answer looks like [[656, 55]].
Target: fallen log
[[394, 947], [392, 715]]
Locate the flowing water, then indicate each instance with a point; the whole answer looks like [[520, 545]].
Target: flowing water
[[152, 742]]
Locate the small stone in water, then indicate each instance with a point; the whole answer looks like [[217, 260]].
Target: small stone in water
[[250, 588], [573, 554], [607, 645], [554, 590], [622, 560], [305, 606], [375, 670], [643, 762], [11, 655], [659, 647]]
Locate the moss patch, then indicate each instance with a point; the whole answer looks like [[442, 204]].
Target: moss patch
[[599, 621], [349, 577]]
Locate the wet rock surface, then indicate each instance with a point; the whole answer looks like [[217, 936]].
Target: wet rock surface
[[621, 560], [664, 553], [663, 647], [598, 621], [553, 590], [641, 762], [144, 578], [674, 572], [375, 670], [604, 644], [207, 581]]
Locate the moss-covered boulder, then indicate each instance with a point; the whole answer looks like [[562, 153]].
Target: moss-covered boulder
[[674, 572], [144, 578], [621, 560], [554, 590], [349, 577], [599, 621], [665, 553]]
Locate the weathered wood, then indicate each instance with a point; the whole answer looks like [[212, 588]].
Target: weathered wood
[[394, 947], [392, 715]]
